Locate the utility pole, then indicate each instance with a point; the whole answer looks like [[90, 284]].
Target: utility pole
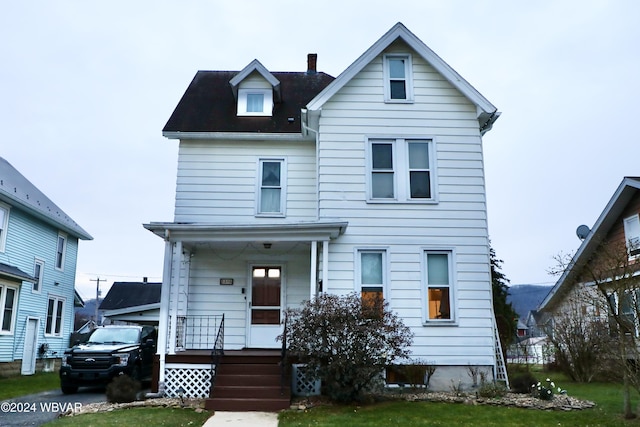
[[97, 295]]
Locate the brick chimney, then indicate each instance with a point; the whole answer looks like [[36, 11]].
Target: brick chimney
[[312, 61]]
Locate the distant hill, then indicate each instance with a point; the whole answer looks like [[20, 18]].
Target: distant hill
[[524, 298], [89, 309]]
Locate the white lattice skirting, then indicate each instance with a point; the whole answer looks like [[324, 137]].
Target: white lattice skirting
[[193, 380]]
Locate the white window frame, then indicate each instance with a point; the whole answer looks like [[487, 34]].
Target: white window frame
[[401, 170], [452, 285], [60, 266], [632, 235], [267, 106], [408, 78], [5, 210], [3, 296], [384, 251], [283, 186], [54, 316], [37, 287]]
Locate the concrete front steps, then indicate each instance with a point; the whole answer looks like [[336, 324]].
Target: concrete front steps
[[250, 380]]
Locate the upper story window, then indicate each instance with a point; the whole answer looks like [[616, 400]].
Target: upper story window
[[398, 78], [255, 102], [8, 304], [4, 224], [632, 235], [38, 272], [61, 251], [402, 170], [271, 187], [439, 287]]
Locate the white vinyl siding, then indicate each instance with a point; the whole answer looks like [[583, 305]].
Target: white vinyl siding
[[217, 181], [441, 115]]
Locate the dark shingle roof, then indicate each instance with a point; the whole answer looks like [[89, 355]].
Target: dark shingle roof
[[208, 105], [15, 273], [131, 294]]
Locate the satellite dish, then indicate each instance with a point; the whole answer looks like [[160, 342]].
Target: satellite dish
[[582, 232]]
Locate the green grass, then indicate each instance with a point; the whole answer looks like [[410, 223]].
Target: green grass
[[173, 417], [608, 412], [28, 384]]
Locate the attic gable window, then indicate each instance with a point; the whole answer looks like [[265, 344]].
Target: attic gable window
[[632, 235], [255, 102], [398, 81]]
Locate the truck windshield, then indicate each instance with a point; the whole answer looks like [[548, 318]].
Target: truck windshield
[[114, 336]]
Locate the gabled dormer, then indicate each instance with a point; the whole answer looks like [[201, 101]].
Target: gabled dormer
[[255, 90]]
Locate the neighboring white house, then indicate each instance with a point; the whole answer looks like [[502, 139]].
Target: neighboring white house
[[295, 183]]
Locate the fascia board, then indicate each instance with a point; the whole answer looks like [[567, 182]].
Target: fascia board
[[400, 31], [245, 136], [132, 309], [255, 65]]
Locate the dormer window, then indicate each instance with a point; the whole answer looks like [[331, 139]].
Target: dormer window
[[255, 102], [398, 78]]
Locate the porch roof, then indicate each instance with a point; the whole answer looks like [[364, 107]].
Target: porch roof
[[283, 232]]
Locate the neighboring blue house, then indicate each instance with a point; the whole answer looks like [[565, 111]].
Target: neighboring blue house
[[38, 253]]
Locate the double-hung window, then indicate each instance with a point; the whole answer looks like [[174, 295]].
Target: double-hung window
[[38, 271], [439, 286], [401, 170], [632, 235], [61, 251], [55, 311], [4, 224], [8, 304], [398, 78], [271, 187], [372, 276]]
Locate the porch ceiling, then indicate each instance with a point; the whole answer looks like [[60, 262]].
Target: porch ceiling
[[287, 232]]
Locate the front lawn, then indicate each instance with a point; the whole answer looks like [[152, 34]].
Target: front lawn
[[408, 414], [28, 384], [151, 416]]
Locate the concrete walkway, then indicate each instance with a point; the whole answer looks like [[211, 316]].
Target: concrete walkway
[[242, 419]]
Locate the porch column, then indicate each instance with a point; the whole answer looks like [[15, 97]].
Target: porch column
[[163, 321], [314, 269], [325, 265], [175, 283]]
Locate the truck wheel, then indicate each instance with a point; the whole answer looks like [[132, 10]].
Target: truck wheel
[[69, 389]]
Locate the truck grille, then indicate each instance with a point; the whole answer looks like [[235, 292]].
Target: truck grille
[[91, 361]]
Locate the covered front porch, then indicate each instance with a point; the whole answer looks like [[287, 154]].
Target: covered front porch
[[228, 286]]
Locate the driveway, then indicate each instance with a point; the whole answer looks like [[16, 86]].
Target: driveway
[[40, 408]]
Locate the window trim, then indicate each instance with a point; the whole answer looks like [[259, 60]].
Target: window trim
[[3, 295], [408, 78], [37, 287], [453, 280], [4, 225], [55, 317], [283, 187], [628, 222], [267, 106], [401, 170], [357, 280], [64, 251]]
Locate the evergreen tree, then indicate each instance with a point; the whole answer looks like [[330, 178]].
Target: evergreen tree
[[506, 317]]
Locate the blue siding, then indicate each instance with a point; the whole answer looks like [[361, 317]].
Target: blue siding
[[28, 239]]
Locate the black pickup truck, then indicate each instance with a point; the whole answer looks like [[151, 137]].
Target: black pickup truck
[[109, 352]]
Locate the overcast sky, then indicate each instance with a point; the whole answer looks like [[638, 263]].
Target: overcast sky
[[86, 87]]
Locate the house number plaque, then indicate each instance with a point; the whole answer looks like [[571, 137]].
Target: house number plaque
[[226, 281]]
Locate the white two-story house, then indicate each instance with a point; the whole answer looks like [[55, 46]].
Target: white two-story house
[[295, 183]]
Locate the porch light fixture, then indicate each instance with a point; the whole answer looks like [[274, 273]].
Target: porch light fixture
[[267, 245]]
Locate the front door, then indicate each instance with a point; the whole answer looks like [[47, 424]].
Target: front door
[[265, 307]]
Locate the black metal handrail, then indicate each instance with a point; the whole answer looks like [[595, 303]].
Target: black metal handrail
[[283, 357], [217, 352], [195, 332]]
